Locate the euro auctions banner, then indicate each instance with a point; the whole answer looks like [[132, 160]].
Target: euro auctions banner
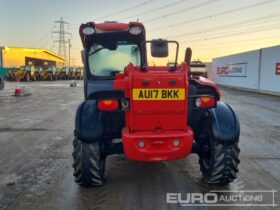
[[232, 70], [239, 70]]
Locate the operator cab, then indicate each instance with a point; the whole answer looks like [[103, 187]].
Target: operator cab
[[108, 48]]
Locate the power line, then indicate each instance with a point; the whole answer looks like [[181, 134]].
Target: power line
[[182, 10], [48, 34], [47, 41], [234, 42], [272, 27], [101, 8], [256, 46], [216, 15], [241, 31], [127, 9], [122, 11], [155, 9], [239, 23]]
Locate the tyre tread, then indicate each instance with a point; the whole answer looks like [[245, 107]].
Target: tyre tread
[[86, 164], [224, 165]]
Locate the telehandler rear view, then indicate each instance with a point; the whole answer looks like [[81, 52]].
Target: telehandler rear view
[[149, 113]]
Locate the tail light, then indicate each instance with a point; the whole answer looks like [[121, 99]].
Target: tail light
[[205, 102], [108, 105]]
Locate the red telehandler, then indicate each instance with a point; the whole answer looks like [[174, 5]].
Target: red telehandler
[[149, 113]]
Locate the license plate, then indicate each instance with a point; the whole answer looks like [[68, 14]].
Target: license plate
[[158, 94]]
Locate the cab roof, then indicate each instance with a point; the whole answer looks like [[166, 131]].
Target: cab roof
[[107, 28]]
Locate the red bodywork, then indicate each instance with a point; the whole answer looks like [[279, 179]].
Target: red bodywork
[[207, 82], [156, 123]]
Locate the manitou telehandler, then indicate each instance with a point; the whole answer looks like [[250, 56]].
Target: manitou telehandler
[[149, 113]]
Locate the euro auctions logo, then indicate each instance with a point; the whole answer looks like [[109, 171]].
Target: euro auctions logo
[[232, 70], [222, 71], [244, 198], [277, 69]]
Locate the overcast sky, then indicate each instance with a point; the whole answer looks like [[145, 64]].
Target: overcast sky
[[211, 27]]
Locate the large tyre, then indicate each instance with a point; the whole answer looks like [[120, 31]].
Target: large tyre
[[89, 165], [218, 161]]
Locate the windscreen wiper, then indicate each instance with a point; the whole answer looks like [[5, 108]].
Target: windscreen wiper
[[97, 50]]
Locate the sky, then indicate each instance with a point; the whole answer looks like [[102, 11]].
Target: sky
[[212, 28]]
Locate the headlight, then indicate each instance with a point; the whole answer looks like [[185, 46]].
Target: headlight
[[135, 30], [88, 30]]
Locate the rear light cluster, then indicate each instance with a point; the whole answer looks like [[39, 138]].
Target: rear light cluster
[[205, 102], [108, 105], [113, 104]]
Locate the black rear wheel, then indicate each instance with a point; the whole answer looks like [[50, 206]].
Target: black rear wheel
[[218, 161], [89, 163]]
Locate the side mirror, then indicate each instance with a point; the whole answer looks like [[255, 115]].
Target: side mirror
[[83, 56], [159, 48], [188, 56]]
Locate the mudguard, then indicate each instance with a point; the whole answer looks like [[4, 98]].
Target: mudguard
[[224, 123], [88, 122]]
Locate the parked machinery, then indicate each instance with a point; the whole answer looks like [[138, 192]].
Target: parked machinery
[[57, 74], [51, 73], [79, 73], [3, 74], [37, 73], [76, 73], [71, 73], [64, 73], [30, 71], [2, 84], [23, 73], [12, 73]]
